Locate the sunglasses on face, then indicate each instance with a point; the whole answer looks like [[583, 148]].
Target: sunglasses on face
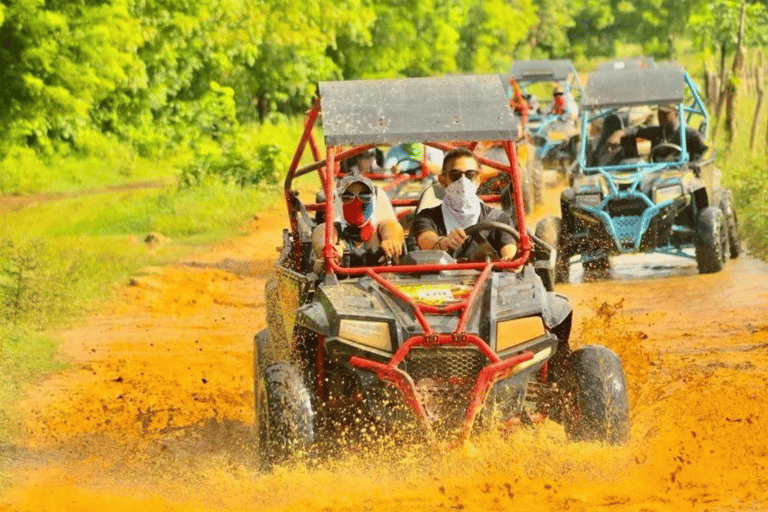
[[365, 196], [456, 174]]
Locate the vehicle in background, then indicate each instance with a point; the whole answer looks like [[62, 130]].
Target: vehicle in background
[[624, 200]]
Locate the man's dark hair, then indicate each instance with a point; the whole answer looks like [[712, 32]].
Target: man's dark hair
[[456, 153]]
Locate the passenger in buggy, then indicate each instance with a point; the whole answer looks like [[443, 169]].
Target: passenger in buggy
[[442, 227], [367, 231]]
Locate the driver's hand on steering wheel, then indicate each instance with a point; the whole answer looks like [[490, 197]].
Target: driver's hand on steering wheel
[[455, 239], [508, 252], [392, 248]]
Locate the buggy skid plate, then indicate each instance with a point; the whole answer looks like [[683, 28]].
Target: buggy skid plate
[[390, 374]]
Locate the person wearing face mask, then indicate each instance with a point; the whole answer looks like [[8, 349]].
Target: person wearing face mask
[[668, 130], [442, 227], [366, 224]]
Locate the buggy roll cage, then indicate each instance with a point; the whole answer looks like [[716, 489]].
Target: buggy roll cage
[[334, 155], [394, 181], [606, 106]]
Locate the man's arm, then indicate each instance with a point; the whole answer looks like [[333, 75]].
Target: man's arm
[[392, 237], [427, 235]]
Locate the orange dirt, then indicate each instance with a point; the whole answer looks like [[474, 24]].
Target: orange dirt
[[155, 412]]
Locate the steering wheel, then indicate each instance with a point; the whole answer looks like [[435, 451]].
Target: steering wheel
[[484, 248], [665, 152]]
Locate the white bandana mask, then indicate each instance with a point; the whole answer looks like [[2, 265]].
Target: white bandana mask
[[461, 206]]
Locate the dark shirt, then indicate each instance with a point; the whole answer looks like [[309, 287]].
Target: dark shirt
[[431, 219], [657, 134]]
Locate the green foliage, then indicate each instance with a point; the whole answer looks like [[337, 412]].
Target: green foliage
[[716, 24], [751, 194]]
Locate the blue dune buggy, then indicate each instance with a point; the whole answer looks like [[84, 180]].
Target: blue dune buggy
[[624, 201], [555, 135]]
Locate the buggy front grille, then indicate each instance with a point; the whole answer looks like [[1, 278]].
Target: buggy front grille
[[441, 363], [627, 228], [443, 379]]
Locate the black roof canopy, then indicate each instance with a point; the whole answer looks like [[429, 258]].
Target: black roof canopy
[[542, 70], [629, 87], [392, 111]]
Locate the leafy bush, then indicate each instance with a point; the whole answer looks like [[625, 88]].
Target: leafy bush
[[750, 187], [35, 285], [237, 162]]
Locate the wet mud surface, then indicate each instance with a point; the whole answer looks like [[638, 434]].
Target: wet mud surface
[[155, 411]]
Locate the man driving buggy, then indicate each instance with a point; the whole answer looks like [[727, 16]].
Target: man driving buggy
[[442, 227], [668, 130], [367, 228]]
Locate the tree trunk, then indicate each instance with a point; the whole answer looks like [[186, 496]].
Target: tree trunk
[[721, 81], [756, 119], [736, 75]]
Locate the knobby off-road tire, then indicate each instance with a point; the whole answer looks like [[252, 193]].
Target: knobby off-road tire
[[732, 224], [712, 247], [596, 406], [284, 416], [549, 229]]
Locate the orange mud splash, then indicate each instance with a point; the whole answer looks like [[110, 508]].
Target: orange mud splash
[[155, 413]]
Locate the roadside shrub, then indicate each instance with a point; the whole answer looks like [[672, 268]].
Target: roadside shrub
[[750, 187], [236, 162], [35, 285]]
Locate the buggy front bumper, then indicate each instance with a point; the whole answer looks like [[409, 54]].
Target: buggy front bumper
[[472, 387]]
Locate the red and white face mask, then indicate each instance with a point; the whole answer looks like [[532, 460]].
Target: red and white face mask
[[357, 210]]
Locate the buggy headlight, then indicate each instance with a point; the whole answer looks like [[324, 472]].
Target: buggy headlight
[[668, 193], [556, 136], [515, 332], [371, 334]]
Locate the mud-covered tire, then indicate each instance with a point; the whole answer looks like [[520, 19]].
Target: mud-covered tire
[[549, 229], [732, 224], [284, 416], [596, 405], [712, 247]]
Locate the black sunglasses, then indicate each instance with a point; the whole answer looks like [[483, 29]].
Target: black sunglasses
[[365, 196], [456, 174]]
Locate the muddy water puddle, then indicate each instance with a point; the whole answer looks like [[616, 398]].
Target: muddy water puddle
[[156, 409]]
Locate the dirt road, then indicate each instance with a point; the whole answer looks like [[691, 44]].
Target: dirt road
[[155, 412]]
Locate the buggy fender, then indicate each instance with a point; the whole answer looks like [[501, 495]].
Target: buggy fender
[[313, 317], [557, 309]]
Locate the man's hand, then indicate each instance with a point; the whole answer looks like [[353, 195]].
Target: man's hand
[[391, 248], [615, 138], [508, 252], [454, 240]]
